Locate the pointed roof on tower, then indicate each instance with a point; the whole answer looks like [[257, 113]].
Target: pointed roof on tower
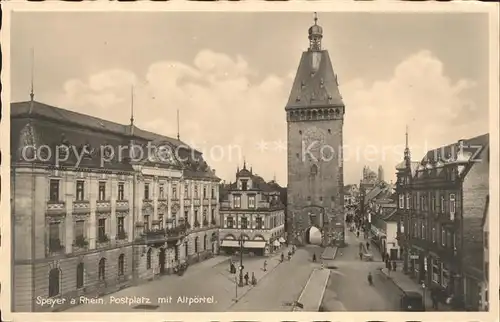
[[315, 82]]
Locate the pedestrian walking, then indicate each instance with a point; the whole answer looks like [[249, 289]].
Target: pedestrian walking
[[394, 265], [246, 278], [265, 265], [434, 299], [282, 257], [314, 257], [254, 279], [360, 256], [383, 257], [357, 234], [368, 245]]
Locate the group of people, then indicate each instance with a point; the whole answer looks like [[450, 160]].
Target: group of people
[[246, 277], [290, 253]]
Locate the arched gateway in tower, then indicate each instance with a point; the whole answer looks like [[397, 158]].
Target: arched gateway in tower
[[315, 116]]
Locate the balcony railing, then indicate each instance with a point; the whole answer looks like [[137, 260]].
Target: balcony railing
[[80, 206], [103, 240], [175, 232], [153, 236], [122, 235], [187, 202], [264, 204], [55, 246], [56, 207], [213, 201], [122, 205], [196, 202], [206, 202], [80, 242], [103, 205]]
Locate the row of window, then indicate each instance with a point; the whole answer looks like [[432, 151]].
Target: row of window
[[54, 191], [231, 222], [244, 224], [56, 234], [55, 275], [421, 231], [425, 203]]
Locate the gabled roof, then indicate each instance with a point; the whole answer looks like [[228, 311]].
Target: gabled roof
[[313, 87]]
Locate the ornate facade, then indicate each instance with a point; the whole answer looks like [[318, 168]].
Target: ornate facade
[[442, 200], [252, 211], [88, 219], [315, 116]]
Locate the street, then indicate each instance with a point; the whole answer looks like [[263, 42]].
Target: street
[[348, 288], [279, 284]]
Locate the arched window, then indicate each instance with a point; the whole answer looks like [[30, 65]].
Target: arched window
[[79, 275], [148, 259], [186, 248], [54, 278], [314, 170], [102, 269], [121, 265], [196, 244]]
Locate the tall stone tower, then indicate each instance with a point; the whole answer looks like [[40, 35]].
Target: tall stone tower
[[315, 117]]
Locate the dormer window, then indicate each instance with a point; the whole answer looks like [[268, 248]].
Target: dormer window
[[244, 185]]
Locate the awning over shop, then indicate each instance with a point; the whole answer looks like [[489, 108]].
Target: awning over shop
[[230, 243], [254, 244], [276, 243], [282, 240], [246, 244]]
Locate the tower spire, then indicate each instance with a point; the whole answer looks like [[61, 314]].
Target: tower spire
[[178, 128], [407, 155], [32, 76], [132, 110], [244, 163], [32, 90], [315, 35], [406, 134]]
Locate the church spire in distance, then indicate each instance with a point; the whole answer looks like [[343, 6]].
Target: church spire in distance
[[407, 154]]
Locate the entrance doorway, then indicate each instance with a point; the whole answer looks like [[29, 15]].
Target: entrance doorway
[[161, 260], [313, 236]]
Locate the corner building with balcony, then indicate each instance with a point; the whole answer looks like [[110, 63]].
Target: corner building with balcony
[[106, 222], [252, 213], [442, 200]]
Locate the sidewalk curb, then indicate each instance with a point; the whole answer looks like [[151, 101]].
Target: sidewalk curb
[[294, 309]]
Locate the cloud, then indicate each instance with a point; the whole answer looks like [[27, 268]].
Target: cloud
[[226, 108], [418, 94]]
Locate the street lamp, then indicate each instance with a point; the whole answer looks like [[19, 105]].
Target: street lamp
[[423, 294], [242, 241]]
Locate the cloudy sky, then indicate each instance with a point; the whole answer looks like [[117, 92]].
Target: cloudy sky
[[230, 74]]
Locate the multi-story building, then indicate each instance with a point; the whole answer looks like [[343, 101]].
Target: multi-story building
[[252, 212], [98, 205], [443, 200]]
